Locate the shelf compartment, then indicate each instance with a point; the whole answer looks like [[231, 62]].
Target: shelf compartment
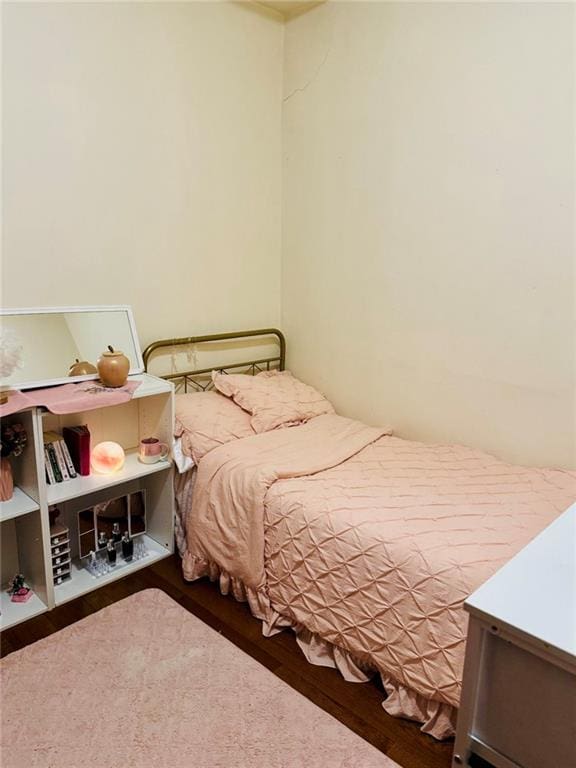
[[14, 613], [22, 551], [82, 485], [81, 581], [19, 504]]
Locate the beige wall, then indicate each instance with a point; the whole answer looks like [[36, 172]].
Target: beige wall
[[141, 161], [428, 255], [428, 195]]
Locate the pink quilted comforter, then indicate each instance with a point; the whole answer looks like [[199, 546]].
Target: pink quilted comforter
[[369, 541]]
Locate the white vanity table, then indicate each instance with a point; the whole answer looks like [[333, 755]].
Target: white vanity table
[[24, 519], [518, 707]]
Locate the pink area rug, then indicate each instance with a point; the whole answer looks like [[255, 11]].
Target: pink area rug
[[144, 684]]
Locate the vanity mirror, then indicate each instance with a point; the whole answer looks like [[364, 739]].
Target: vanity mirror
[[57, 345], [137, 513], [110, 520]]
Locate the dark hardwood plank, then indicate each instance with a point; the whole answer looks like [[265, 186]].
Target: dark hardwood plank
[[356, 705], [24, 634], [337, 708]]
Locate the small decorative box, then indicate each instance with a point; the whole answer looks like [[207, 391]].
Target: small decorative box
[[23, 595]]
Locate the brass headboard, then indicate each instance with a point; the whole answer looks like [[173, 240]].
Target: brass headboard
[[199, 378]]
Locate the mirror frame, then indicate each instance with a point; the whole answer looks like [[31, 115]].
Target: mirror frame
[[135, 367], [94, 531]]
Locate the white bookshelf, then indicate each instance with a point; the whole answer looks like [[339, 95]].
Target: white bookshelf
[[24, 520]]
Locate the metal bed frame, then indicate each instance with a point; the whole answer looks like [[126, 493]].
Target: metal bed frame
[[199, 379]]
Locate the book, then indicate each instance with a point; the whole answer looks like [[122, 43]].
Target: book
[[77, 440], [52, 440], [50, 477], [54, 462], [68, 459], [60, 459], [51, 437]]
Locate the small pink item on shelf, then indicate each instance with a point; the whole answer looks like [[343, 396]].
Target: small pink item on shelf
[[6, 479], [152, 450], [22, 595]]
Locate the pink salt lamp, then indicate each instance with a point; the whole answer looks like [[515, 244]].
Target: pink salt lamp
[[107, 457]]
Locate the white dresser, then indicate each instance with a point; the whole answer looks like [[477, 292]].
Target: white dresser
[[518, 707]]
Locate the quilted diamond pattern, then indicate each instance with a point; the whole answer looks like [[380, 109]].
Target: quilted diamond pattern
[[378, 554]]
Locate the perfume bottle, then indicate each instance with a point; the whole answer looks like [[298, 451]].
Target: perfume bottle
[[92, 563], [102, 540], [116, 535], [111, 552], [127, 547]]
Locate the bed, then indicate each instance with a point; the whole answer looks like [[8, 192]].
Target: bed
[[365, 544]]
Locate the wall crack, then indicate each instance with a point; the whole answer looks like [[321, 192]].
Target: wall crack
[[302, 88]]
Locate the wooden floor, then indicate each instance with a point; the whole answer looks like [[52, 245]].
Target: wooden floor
[[356, 705]]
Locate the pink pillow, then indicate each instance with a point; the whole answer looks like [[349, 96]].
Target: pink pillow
[[274, 398], [206, 420]]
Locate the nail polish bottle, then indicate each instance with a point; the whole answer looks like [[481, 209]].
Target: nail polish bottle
[[102, 540], [111, 552], [116, 535], [127, 547]]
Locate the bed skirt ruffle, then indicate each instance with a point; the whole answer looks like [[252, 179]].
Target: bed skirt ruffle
[[437, 718]]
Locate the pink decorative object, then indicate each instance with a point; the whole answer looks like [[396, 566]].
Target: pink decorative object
[[6, 481], [22, 595], [152, 450], [107, 457], [12, 443]]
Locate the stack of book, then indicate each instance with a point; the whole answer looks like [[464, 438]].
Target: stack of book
[[57, 459]]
